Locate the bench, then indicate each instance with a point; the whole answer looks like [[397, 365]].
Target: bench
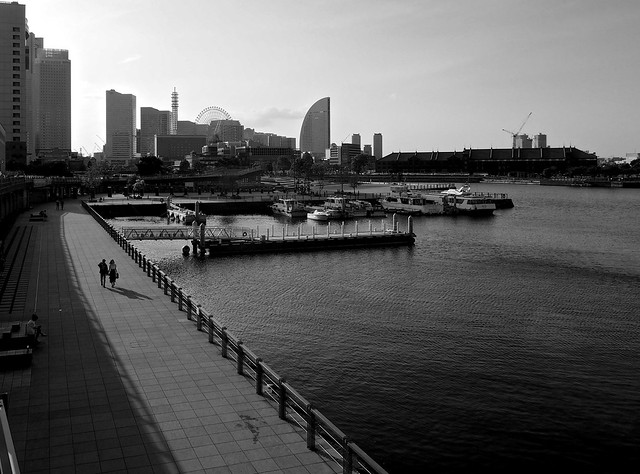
[[38, 217], [15, 358]]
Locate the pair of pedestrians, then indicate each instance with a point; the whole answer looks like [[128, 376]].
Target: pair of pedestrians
[[110, 270]]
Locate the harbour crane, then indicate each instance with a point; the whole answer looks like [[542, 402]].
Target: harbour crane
[[515, 134]]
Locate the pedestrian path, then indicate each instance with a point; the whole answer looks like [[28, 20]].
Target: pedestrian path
[[123, 382]]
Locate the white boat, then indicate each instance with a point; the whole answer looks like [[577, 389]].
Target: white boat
[[289, 208], [353, 208], [403, 200], [324, 215], [463, 201]]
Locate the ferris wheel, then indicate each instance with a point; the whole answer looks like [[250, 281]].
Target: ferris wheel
[[211, 114]]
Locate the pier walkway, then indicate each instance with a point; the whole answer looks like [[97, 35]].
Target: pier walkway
[[123, 382]]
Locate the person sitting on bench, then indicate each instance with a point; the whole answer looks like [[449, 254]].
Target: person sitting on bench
[[34, 331]]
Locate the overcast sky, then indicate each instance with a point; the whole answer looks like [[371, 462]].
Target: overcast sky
[[427, 74]]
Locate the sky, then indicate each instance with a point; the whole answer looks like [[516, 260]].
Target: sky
[[427, 74]]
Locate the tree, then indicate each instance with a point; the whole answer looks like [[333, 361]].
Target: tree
[[185, 166], [149, 166], [359, 163], [283, 164], [138, 187]]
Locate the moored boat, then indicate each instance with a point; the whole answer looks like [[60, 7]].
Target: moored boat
[[289, 207], [463, 201], [403, 200]]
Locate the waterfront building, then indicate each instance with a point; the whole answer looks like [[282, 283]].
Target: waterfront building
[[377, 145], [51, 101], [14, 32], [224, 131], [315, 133], [171, 148], [153, 122], [493, 161], [341, 155], [121, 128]]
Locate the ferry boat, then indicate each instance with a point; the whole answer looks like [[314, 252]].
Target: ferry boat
[[288, 207], [403, 200], [462, 201]]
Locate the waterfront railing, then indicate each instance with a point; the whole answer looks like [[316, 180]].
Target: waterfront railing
[[321, 434]]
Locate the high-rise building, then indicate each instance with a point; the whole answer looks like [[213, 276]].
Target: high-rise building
[[121, 128], [377, 145], [367, 150], [355, 139], [173, 127], [153, 122], [315, 134], [540, 140], [51, 99], [13, 86]]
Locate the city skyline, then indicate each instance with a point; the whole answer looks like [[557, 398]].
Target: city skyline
[[428, 75]]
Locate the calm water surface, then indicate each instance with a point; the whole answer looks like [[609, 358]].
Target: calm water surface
[[509, 343]]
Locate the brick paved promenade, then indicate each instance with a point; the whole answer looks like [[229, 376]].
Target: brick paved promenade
[[124, 382]]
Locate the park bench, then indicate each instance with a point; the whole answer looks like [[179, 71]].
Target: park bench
[[15, 346]]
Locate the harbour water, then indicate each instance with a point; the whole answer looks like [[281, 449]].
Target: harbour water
[[509, 343]]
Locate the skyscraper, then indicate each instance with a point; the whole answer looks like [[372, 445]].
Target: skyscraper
[[315, 134], [173, 128], [121, 128], [377, 145], [152, 122], [13, 90], [355, 139], [52, 100]]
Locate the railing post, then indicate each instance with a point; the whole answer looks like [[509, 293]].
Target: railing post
[[140, 257], [311, 428], [225, 341], [199, 318], [166, 285], [160, 275], [282, 400], [144, 263], [189, 306], [259, 376], [173, 292], [152, 269], [347, 457], [211, 329], [240, 359], [180, 299]]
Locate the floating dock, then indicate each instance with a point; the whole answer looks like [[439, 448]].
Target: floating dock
[[335, 237]]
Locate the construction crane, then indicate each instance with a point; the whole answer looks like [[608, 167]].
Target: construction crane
[[515, 134]]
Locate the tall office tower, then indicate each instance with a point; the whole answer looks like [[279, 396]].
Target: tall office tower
[[367, 150], [315, 134], [121, 128], [52, 100], [174, 113], [355, 139], [152, 122], [34, 45], [377, 145], [13, 88], [540, 141]]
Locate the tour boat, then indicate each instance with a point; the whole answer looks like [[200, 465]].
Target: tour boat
[[462, 201], [289, 208], [402, 200]]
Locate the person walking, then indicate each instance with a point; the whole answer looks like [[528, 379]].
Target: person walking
[[62, 204], [113, 273], [104, 271], [57, 204]]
